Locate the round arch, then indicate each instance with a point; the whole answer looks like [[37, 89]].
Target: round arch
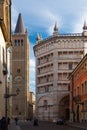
[[44, 108], [64, 107]]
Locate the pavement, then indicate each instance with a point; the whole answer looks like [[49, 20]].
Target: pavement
[[13, 126], [77, 125]]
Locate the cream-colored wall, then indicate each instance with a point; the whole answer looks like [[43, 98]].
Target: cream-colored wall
[[2, 77], [65, 50], [85, 47]]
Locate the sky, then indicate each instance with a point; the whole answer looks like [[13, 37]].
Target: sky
[[39, 16]]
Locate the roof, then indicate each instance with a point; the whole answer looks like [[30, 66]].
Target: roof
[[19, 26]]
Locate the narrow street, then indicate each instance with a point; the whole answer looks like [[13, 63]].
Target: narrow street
[[45, 126]]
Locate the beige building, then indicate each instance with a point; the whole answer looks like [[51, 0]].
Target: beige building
[[20, 70], [5, 38], [56, 57], [31, 105]]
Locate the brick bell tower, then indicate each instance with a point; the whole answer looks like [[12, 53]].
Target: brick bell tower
[[20, 70]]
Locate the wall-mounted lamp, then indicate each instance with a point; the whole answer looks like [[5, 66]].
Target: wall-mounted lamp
[[10, 95]]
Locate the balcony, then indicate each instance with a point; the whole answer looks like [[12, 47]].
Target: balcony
[[77, 99], [5, 69]]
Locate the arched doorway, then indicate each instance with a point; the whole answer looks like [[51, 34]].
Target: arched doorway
[[44, 108], [64, 108]]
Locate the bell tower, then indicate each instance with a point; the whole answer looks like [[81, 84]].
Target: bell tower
[[20, 70]]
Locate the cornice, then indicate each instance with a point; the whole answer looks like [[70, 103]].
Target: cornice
[[59, 36], [3, 29]]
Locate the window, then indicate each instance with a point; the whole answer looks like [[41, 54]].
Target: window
[[38, 90], [47, 79], [21, 42], [18, 70], [82, 88], [38, 61], [46, 88], [70, 66], [16, 107], [86, 104], [3, 56], [77, 90], [86, 87], [18, 42], [47, 58], [82, 68], [45, 103]]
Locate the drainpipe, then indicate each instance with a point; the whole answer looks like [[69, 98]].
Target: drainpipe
[[72, 95]]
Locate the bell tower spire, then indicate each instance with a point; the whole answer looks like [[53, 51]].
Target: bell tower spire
[[19, 26]]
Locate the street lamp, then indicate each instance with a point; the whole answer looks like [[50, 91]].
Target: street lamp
[[10, 95], [6, 96]]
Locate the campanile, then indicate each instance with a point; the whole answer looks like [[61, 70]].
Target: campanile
[[20, 70]]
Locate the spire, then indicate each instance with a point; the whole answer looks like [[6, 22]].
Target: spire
[[84, 33], [55, 29], [41, 37], [19, 26], [85, 25], [37, 37]]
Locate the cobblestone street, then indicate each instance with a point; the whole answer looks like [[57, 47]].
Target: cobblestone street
[[46, 126]]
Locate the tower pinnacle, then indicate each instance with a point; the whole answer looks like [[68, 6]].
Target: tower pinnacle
[[55, 29], [84, 29], [85, 25], [19, 26]]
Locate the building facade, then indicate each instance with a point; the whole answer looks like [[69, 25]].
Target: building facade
[[5, 41], [20, 70], [78, 92], [31, 106], [56, 57]]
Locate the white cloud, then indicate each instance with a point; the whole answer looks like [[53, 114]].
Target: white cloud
[[45, 13], [37, 14], [32, 65], [32, 85], [32, 75], [78, 25], [14, 17]]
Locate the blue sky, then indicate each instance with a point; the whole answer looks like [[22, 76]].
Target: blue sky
[[39, 16]]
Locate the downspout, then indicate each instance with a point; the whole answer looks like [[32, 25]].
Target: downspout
[[73, 96]]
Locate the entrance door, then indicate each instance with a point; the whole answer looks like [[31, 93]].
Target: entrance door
[[67, 114], [64, 107]]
